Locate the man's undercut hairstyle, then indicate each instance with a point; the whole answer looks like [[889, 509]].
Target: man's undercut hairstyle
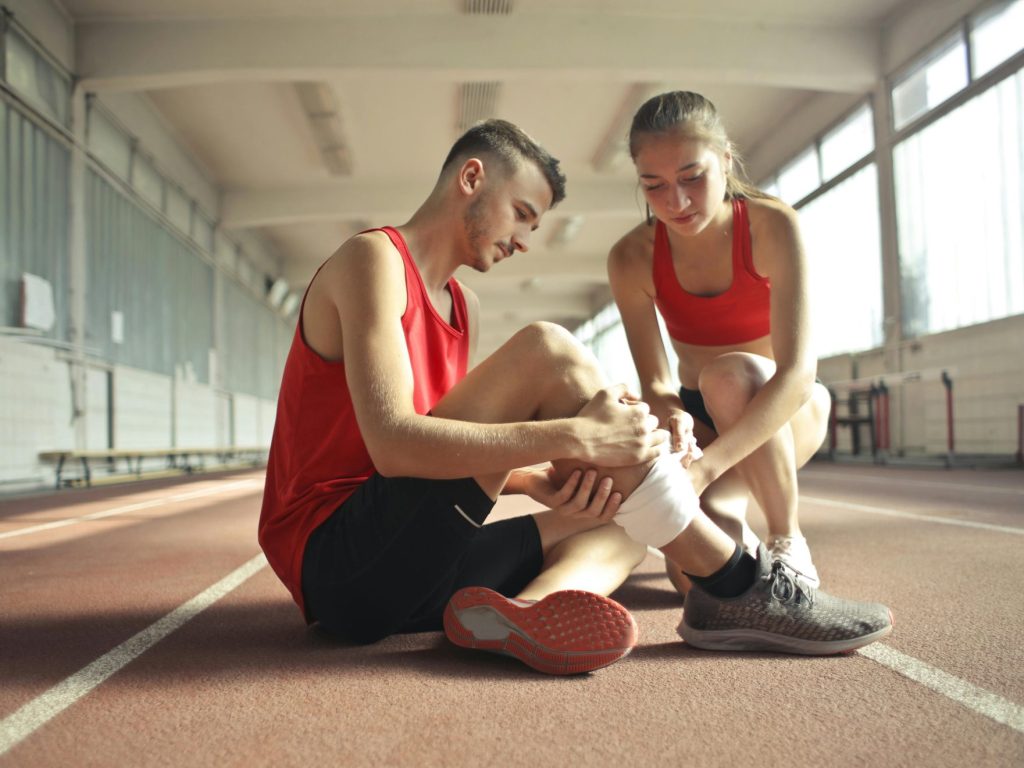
[[511, 146]]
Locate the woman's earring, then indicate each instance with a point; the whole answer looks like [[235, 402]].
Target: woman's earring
[[650, 217]]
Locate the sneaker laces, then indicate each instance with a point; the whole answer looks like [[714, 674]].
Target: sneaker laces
[[787, 587]]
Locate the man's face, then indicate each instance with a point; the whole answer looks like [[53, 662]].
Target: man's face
[[506, 210]]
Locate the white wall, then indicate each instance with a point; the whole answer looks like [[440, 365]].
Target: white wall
[[246, 414], [142, 409], [97, 411], [988, 387], [35, 412], [268, 415], [195, 416], [35, 409]]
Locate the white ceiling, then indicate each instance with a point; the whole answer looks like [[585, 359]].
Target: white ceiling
[[225, 75]]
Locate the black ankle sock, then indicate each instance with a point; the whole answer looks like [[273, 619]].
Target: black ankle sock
[[732, 579]]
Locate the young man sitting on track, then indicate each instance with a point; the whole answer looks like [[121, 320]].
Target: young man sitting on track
[[388, 456]]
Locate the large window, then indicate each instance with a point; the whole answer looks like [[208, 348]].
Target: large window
[[960, 197], [847, 143], [839, 221], [34, 211], [800, 177], [838, 149], [942, 73], [986, 40], [605, 336], [36, 77], [841, 235], [996, 35]]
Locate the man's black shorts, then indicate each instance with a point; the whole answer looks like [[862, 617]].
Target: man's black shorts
[[389, 558]]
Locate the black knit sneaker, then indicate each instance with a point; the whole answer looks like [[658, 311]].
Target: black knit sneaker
[[781, 613]]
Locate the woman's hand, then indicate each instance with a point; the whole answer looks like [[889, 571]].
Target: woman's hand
[[680, 426], [702, 474], [581, 495]]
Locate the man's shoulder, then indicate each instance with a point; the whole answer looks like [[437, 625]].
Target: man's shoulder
[[374, 244], [363, 257]]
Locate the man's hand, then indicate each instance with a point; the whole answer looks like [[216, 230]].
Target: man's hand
[[680, 426], [618, 430], [577, 496]]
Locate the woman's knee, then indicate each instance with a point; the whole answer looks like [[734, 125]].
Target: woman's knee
[[730, 381]]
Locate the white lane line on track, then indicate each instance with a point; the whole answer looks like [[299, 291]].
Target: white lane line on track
[[36, 713], [919, 483], [976, 699], [912, 516], [129, 508]]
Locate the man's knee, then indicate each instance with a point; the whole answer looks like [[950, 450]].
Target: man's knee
[[550, 340], [556, 353]]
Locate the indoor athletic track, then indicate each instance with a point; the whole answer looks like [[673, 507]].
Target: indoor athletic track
[[139, 625]]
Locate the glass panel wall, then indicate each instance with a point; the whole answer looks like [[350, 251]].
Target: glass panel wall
[[960, 213]]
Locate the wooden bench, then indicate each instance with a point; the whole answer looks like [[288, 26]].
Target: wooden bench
[[186, 460]]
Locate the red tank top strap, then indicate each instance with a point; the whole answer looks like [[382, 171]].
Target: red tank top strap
[[416, 290], [742, 247], [664, 271]]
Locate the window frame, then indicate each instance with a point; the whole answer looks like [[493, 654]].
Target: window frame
[[975, 84]]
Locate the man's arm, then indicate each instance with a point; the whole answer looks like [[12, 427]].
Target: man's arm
[[365, 282]]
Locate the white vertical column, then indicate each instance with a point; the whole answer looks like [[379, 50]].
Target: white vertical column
[[891, 296], [892, 300], [77, 269]]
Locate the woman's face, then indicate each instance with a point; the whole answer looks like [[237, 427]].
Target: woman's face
[[683, 180]]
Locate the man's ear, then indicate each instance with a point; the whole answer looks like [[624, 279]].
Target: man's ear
[[471, 175]]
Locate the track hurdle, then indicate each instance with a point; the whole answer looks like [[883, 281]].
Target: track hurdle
[[875, 392]]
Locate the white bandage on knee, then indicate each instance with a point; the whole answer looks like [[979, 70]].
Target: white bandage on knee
[[661, 506]]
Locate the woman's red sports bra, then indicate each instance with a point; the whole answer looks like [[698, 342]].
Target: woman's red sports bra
[[738, 315]]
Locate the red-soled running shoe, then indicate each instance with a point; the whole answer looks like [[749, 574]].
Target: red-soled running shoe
[[566, 633]]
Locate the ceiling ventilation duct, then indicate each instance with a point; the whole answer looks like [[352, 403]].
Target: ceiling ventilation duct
[[487, 7], [322, 114], [477, 101]]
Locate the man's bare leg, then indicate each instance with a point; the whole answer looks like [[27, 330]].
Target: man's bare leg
[[557, 383], [543, 372], [597, 560]]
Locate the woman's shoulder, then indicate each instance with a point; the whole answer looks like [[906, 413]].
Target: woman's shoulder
[[771, 220], [769, 210], [637, 245]]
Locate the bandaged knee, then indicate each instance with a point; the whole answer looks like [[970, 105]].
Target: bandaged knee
[[661, 506]]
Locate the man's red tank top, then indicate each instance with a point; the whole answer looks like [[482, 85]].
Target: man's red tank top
[[317, 455], [738, 315]]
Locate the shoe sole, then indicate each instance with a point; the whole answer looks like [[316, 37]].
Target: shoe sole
[[567, 633], [756, 640]]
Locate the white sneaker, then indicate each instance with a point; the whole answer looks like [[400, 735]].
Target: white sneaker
[[794, 553]]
